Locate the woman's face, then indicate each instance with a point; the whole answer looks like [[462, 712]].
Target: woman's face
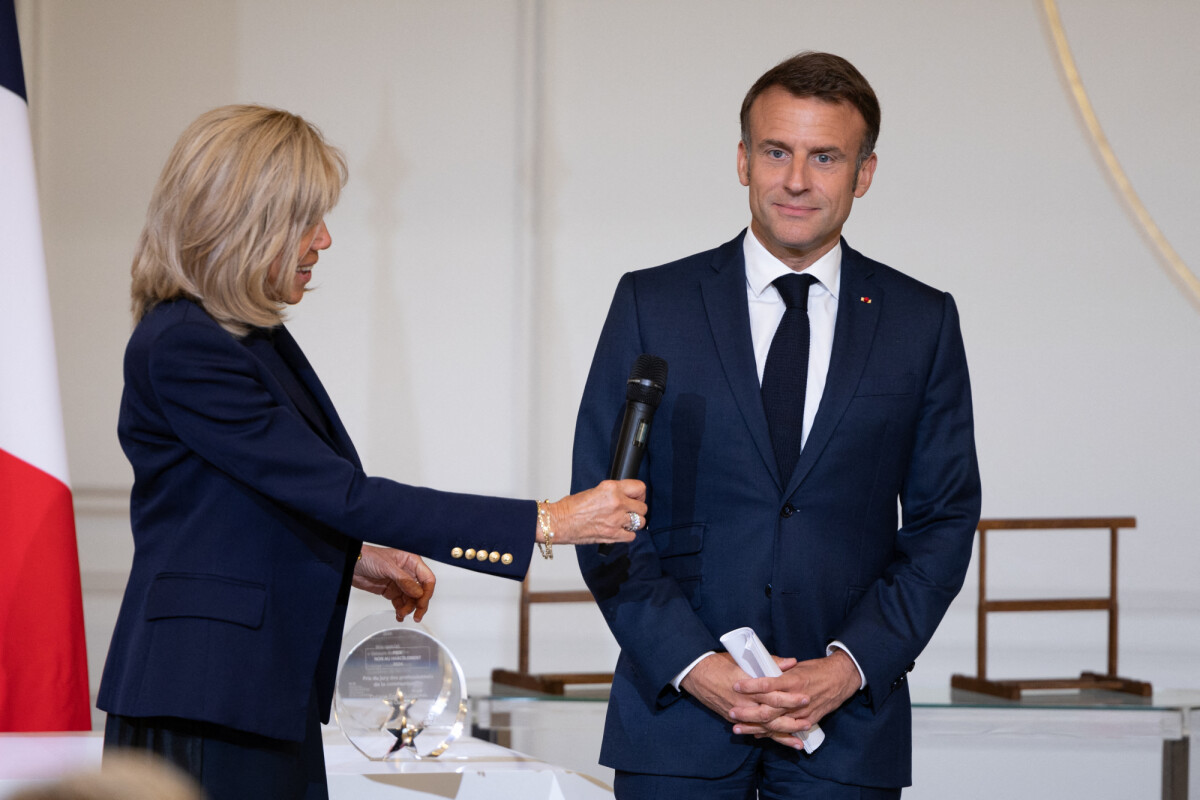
[[314, 240]]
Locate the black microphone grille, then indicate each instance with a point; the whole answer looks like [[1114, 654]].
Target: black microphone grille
[[647, 380]]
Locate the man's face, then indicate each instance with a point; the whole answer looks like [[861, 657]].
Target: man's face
[[800, 171]]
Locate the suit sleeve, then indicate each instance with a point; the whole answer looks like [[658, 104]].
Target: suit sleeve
[[940, 499], [212, 395], [648, 614]]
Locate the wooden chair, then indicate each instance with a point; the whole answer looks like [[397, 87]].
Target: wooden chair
[[1012, 689], [552, 682]]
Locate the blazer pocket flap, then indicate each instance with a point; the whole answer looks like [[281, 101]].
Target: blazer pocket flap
[[680, 540], [870, 385], [207, 597]]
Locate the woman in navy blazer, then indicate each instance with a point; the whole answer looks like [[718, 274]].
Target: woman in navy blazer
[[249, 505]]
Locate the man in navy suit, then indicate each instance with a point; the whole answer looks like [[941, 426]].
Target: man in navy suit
[[844, 563]]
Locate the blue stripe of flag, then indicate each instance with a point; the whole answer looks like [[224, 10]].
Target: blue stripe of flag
[[11, 75]]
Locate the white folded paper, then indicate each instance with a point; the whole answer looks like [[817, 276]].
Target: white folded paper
[[750, 654]]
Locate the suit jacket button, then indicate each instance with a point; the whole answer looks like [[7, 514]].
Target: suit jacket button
[[506, 559], [470, 553], [787, 511], [482, 555], [456, 552], [768, 590], [494, 556]]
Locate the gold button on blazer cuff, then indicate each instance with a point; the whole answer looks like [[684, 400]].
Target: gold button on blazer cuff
[[456, 553], [506, 558], [470, 553], [494, 557], [482, 555]]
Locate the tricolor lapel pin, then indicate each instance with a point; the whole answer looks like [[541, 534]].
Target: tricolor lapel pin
[[866, 300]]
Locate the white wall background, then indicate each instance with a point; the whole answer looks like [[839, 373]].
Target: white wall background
[[510, 160]]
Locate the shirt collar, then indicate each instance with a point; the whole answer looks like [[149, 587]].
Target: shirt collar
[[762, 267]]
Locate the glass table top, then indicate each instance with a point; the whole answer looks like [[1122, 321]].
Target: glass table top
[[485, 689]]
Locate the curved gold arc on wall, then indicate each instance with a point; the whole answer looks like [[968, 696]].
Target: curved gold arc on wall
[[1151, 229]]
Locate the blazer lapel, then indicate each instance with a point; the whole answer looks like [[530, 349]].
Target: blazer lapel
[[293, 374], [724, 294], [291, 353], [852, 336]]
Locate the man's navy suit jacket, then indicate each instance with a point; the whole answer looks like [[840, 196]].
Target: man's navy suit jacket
[[248, 510], [805, 558]]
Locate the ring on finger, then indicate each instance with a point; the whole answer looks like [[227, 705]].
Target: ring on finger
[[635, 522]]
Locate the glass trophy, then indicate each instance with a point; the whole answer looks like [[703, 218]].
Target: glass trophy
[[400, 693]]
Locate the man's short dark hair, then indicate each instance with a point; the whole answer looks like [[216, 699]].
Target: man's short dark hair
[[824, 76]]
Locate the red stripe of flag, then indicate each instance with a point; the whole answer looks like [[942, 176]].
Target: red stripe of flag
[[43, 660]]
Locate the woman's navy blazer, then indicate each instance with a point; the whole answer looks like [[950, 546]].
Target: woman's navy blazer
[[248, 510]]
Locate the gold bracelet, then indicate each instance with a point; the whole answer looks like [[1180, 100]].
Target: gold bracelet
[[547, 546]]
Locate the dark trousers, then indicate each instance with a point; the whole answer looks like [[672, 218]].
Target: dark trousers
[[768, 773], [230, 764]]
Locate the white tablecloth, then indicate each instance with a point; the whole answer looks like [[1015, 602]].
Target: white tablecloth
[[470, 769]]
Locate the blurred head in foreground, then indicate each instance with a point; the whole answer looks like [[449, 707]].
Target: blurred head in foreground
[[125, 775]]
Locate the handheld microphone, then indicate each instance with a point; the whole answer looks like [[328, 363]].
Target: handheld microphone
[[643, 392]]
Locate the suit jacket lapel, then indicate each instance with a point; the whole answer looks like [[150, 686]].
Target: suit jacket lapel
[[724, 293], [852, 336]]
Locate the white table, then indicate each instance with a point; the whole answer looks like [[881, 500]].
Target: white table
[[471, 769]]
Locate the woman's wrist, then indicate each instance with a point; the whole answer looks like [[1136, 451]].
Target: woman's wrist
[[545, 531]]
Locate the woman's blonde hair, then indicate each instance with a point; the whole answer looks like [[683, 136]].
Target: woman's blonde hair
[[240, 189]]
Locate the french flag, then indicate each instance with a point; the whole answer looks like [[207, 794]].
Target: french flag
[[43, 657]]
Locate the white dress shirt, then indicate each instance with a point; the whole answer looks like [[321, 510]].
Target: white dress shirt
[[766, 312]]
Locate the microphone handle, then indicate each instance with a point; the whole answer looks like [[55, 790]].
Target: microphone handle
[[631, 441], [631, 446]]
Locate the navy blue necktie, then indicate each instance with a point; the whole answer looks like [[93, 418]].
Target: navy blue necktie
[[785, 377]]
